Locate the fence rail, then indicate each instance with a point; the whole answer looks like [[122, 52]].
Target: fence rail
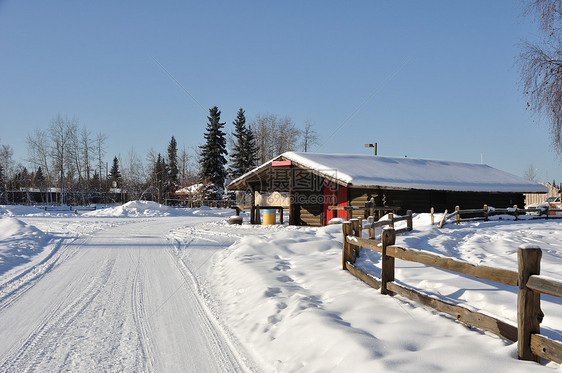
[[531, 345], [486, 212]]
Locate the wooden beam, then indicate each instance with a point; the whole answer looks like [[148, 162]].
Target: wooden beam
[[529, 314], [462, 314], [442, 222], [502, 276], [347, 230], [387, 265], [371, 244], [363, 276], [545, 285], [546, 348]]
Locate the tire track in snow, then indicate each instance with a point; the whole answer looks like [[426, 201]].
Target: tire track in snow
[[140, 316], [227, 351], [55, 323], [14, 288]]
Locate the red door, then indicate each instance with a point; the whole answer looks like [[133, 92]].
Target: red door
[[334, 195]]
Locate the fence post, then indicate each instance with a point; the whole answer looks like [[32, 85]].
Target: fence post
[[409, 221], [372, 208], [458, 215], [258, 215], [391, 218], [485, 212], [357, 233], [432, 211], [370, 221], [347, 230], [387, 270], [529, 314]]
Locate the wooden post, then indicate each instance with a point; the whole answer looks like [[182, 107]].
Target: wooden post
[[391, 218], [485, 212], [349, 214], [371, 231], [281, 215], [292, 204], [252, 205], [409, 221], [357, 233], [458, 215], [347, 230], [529, 314], [432, 211], [387, 270], [372, 209], [258, 215]]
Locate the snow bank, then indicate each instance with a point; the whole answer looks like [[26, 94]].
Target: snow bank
[[284, 295], [153, 209], [19, 243], [17, 210]]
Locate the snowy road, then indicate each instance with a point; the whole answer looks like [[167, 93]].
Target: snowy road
[[124, 298]]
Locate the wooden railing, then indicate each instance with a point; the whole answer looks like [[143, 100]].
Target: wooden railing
[[531, 345], [486, 212], [369, 208]]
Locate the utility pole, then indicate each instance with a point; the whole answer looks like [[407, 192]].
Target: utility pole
[[373, 145]]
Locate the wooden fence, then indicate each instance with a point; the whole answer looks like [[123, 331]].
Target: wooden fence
[[369, 210], [531, 344], [486, 212]]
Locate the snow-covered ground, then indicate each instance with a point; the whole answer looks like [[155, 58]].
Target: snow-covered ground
[[143, 287]]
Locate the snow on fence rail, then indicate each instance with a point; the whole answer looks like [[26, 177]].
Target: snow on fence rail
[[486, 212], [531, 344]]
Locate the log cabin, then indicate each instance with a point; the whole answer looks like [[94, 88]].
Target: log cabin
[[312, 186]]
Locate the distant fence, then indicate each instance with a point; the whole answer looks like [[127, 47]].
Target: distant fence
[[62, 208], [485, 213], [531, 344]]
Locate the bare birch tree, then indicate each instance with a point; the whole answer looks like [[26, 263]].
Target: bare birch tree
[[541, 67], [100, 154], [60, 133], [274, 135], [38, 149], [309, 136]]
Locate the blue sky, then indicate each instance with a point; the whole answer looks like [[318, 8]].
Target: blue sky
[[443, 74]]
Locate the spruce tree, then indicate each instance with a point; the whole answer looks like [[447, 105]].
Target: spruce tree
[[40, 182], [173, 162], [244, 149], [252, 150], [213, 152], [161, 178], [238, 153], [114, 174]]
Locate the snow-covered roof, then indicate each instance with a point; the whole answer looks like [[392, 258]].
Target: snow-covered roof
[[409, 173]]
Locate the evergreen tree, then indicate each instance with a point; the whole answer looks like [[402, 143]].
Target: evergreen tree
[[173, 162], [238, 153], [40, 182], [39, 178], [114, 174], [244, 149], [161, 178], [213, 152], [252, 150]]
